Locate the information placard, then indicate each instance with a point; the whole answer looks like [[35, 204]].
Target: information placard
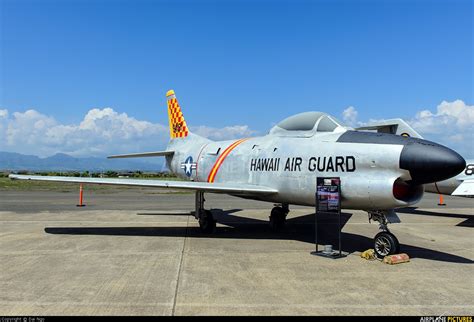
[[328, 200], [328, 195]]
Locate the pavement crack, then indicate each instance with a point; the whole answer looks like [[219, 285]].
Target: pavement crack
[[180, 268]]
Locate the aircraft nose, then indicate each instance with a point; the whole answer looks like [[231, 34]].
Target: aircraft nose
[[430, 162]]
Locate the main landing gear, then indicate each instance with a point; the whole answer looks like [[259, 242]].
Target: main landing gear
[[385, 243], [278, 217], [207, 224]]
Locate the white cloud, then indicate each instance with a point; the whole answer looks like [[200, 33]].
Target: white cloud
[[452, 125], [101, 132], [449, 115], [27, 128], [456, 138], [349, 115]]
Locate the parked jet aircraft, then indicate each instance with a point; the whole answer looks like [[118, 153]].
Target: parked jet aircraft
[[378, 172], [460, 185]]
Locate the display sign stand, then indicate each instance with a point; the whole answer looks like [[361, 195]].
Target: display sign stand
[[328, 201]]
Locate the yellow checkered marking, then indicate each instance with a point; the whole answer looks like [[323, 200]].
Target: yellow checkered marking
[[178, 127]]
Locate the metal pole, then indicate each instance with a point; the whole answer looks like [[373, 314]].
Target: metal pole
[[316, 229], [316, 217], [340, 251], [339, 210]]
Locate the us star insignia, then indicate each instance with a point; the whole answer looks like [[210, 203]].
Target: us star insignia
[[188, 166]]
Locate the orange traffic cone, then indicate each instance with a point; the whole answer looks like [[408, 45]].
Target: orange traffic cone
[[441, 201], [81, 191]]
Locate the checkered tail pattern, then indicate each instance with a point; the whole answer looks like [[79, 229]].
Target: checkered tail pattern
[[178, 127]]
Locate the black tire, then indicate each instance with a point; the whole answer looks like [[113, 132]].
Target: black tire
[[277, 219], [207, 224], [385, 244]]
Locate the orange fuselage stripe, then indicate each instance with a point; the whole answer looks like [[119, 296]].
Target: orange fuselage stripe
[[221, 158]]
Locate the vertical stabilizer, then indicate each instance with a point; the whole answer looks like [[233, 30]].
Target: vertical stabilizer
[[178, 127]]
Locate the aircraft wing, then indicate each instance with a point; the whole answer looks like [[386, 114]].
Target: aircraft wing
[[142, 154], [231, 188], [466, 188]]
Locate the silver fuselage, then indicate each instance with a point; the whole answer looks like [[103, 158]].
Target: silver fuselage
[[292, 164]]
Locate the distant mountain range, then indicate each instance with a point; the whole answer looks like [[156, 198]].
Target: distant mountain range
[[65, 162]]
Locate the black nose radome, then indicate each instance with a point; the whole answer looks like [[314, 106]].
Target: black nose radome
[[430, 162]]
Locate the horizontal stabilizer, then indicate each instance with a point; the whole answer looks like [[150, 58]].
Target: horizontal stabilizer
[[230, 188], [466, 188], [142, 155], [392, 126]]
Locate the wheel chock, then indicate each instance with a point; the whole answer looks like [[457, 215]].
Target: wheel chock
[[396, 259], [369, 254]]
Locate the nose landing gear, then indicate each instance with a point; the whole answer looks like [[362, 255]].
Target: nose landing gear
[[385, 243]]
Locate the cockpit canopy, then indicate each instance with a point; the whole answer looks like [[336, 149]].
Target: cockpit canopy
[[307, 124]]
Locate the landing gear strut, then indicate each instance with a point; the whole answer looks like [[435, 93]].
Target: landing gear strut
[[278, 217], [385, 243], [207, 224]]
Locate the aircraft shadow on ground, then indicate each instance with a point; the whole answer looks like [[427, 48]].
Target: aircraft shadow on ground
[[297, 228], [469, 222]]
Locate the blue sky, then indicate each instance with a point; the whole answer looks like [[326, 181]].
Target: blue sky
[[248, 63]]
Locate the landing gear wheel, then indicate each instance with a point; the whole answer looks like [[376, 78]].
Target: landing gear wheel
[[207, 222], [277, 218], [386, 243]]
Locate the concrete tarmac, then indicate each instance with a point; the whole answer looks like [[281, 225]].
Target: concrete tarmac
[[139, 252]]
